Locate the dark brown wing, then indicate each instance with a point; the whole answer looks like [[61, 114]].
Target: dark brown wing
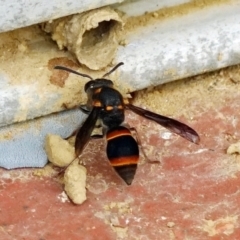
[[173, 125], [85, 131]]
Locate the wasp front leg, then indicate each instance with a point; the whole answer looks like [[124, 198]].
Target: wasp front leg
[[85, 109]]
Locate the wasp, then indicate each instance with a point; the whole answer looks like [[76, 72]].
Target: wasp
[[105, 103]]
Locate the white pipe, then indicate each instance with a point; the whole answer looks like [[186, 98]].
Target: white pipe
[[182, 46], [16, 14]]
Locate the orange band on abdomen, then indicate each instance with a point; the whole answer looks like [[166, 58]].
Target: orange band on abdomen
[[118, 133], [123, 161]]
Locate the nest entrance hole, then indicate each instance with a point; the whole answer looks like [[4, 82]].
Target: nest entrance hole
[[98, 35]]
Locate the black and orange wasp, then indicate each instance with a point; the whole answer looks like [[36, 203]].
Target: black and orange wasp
[[107, 104]]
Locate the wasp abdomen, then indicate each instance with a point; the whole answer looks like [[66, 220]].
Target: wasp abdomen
[[122, 152]]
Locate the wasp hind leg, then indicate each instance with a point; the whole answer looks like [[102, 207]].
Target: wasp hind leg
[[133, 129]]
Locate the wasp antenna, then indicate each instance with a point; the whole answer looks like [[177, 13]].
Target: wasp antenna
[[112, 70], [72, 71]]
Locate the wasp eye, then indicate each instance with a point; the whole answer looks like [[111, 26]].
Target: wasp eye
[[88, 85]]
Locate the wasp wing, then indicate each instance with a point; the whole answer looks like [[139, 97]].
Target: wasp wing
[[85, 131], [173, 125]]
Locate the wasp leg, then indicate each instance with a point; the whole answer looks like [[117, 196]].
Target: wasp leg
[[84, 109], [96, 136], [140, 144]]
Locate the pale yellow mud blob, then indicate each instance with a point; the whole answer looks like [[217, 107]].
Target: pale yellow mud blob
[[75, 182], [59, 151], [234, 148]]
